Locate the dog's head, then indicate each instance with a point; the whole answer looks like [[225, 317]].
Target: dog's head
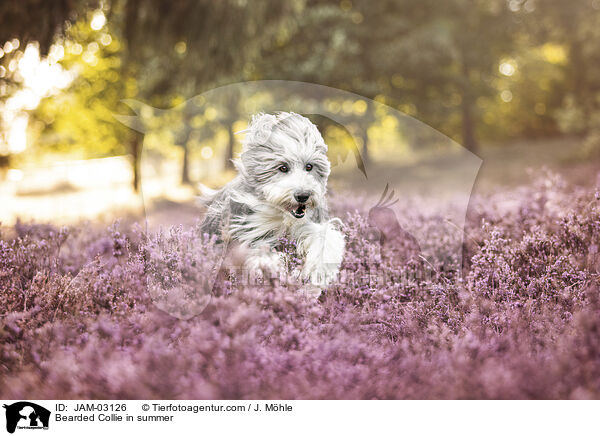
[[285, 159]]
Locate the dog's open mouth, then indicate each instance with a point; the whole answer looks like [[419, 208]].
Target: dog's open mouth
[[299, 211]]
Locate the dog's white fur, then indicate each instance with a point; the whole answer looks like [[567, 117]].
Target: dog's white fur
[[259, 207]]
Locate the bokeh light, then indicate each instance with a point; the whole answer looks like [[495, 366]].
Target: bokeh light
[[98, 20]]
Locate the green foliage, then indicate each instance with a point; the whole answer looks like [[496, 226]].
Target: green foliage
[[476, 70], [81, 118]]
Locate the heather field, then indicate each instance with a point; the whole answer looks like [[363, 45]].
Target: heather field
[[517, 317]]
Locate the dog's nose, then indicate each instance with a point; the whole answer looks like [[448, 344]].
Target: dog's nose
[[302, 196]]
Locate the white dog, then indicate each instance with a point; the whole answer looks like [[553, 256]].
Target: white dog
[[280, 192]]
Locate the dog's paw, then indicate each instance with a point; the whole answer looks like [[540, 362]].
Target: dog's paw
[[321, 274], [261, 266], [323, 248], [310, 292]]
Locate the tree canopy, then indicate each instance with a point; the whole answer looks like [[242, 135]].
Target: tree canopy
[[481, 70]]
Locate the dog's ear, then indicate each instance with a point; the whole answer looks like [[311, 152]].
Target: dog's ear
[[322, 148], [239, 166], [259, 130]]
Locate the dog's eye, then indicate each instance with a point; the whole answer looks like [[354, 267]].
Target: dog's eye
[[308, 167], [283, 168]]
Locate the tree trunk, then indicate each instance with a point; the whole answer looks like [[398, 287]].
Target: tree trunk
[[186, 134], [230, 145], [468, 128], [185, 169], [136, 153], [367, 120], [579, 71], [468, 123], [128, 70]]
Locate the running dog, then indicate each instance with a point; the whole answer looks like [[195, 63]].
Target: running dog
[[280, 192]]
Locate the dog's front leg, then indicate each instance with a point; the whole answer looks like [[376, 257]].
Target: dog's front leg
[[263, 262], [322, 247]]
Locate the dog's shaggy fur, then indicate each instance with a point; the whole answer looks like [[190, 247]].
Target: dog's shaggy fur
[[280, 192]]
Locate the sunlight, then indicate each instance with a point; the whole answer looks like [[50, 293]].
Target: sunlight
[[98, 21], [507, 68], [40, 78], [555, 54], [206, 152], [17, 133], [10, 46], [506, 96]]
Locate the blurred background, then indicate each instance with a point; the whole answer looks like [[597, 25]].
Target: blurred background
[[516, 82]]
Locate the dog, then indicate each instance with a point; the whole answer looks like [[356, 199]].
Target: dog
[[280, 192]]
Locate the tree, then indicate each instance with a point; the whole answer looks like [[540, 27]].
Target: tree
[[406, 53], [81, 118], [182, 48], [32, 21], [575, 26], [35, 21], [166, 52]]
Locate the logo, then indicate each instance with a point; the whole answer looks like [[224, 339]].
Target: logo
[[399, 231], [26, 415]]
